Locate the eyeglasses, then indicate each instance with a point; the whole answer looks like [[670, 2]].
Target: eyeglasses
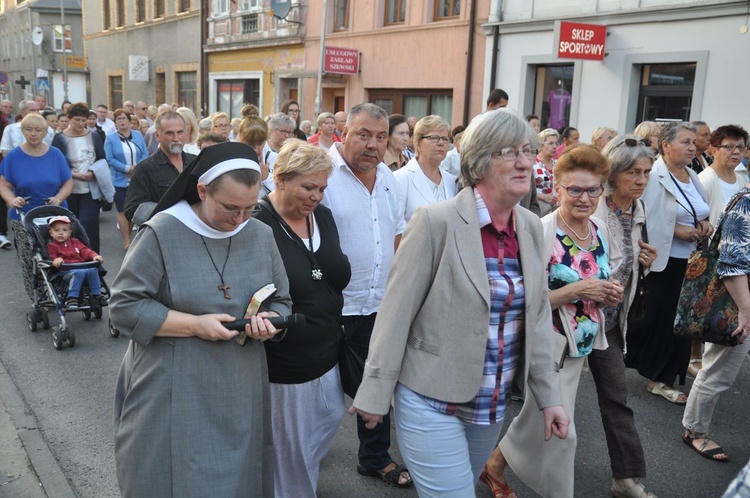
[[292, 111], [286, 132], [731, 147], [577, 192], [233, 213], [511, 153], [436, 139]]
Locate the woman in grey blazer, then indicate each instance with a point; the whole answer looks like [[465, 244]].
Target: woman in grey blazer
[[462, 314]]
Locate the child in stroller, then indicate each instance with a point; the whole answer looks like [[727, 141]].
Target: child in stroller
[[65, 249]]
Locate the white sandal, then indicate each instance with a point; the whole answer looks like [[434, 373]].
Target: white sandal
[[669, 393]]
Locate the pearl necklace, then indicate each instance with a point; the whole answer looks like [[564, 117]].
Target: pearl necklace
[[575, 234]]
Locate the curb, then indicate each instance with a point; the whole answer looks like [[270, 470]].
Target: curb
[[51, 477]]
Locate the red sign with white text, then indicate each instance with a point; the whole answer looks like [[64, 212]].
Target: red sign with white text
[[581, 41], [341, 60]]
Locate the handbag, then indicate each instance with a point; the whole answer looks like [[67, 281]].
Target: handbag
[[351, 366], [637, 310], [706, 310]]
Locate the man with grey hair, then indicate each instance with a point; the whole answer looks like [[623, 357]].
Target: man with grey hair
[[128, 106], [701, 160], [154, 175], [363, 195], [280, 128], [6, 112], [204, 126], [141, 110]]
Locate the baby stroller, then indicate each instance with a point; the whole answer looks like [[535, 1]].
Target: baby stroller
[[46, 285]]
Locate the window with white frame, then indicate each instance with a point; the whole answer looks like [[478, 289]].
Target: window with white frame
[[60, 35], [249, 5], [220, 7]]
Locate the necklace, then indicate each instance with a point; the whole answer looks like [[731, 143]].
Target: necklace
[[575, 234], [223, 287], [317, 273]]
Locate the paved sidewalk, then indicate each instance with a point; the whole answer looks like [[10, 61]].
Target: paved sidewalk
[[28, 468]]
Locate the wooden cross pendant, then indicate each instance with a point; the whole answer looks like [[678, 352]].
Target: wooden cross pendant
[[224, 287]]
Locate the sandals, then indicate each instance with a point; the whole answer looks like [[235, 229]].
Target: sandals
[[637, 491], [391, 477], [695, 366], [669, 393], [499, 489], [717, 454]]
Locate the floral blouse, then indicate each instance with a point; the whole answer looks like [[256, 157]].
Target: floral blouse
[[734, 245], [569, 264]]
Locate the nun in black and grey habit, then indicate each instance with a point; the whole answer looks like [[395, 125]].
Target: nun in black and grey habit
[[191, 404]]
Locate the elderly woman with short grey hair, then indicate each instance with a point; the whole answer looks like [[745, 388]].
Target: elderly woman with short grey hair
[[677, 195], [451, 389], [544, 166], [421, 181], [624, 215]]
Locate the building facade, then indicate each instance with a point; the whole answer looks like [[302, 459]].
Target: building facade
[[41, 42], [416, 58], [664, 60], [145, 50], [252, 56]]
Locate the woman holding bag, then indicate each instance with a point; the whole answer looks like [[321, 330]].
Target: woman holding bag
[[675, 192], [721, 364]]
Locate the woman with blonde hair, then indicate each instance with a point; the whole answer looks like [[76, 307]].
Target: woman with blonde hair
[[325, 136], [602, 136], [253, 131], [307, 400], [191, 130], [220, 123], [422, 181], [649, 131]]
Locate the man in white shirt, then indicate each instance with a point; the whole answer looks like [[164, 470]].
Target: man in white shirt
[[103, 122], [13, 136], [363, 196]]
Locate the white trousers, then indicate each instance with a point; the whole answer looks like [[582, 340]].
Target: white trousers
[[443, 453], [721, 364]]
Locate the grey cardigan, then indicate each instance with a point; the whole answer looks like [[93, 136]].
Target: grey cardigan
[[431, 331]]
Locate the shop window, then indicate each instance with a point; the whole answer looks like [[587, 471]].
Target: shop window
[[417, 103], [60, 35], [552, 95], [231, 95], [158, 9], [447, 8], [140, 11], [106, 14], [340, 15], [666, 92], [395, 11], [187, 89], [115, 92]]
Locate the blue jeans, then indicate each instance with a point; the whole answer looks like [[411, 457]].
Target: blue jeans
[[77, 277], [373, 443], [86, 210], [444, 454]]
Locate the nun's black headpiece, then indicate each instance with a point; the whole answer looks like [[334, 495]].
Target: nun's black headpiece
[[211, 163]]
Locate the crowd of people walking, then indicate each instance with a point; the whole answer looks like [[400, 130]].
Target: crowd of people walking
[[458, 264]]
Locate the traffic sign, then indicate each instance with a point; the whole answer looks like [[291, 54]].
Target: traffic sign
[[43, 85], [3, 77], [4, 89]]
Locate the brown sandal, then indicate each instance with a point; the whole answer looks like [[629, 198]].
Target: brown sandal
[[499, 489], [391, 477]]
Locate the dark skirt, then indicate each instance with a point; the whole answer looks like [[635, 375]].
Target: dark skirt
[[652, 348]]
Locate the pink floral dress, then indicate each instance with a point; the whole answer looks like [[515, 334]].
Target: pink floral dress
[[570, 263]]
